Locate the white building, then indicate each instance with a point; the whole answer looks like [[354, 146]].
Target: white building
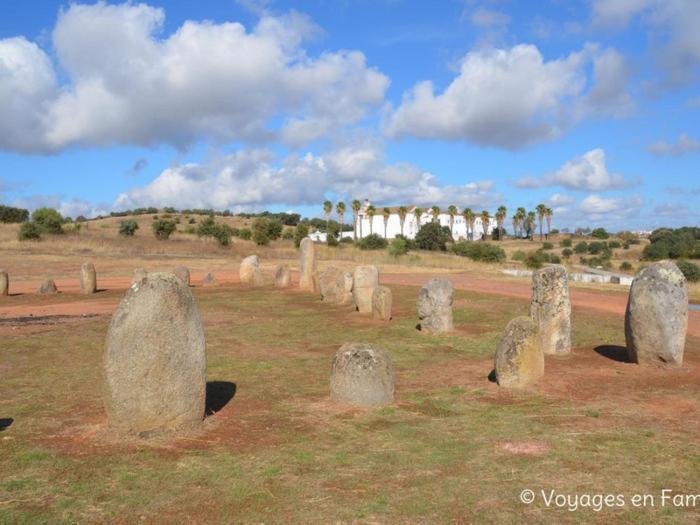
[[363, 228]]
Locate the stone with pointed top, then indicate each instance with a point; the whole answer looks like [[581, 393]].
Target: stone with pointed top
[[519, 358]]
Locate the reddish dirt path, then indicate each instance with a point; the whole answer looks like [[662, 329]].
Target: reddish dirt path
[[614, 303]]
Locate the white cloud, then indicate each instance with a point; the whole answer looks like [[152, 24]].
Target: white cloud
[[683, 145], [129, 84], [512, 97], [588, 172], [483, 17], [68, 208], [609, 94], [597, 208], [252, 179]]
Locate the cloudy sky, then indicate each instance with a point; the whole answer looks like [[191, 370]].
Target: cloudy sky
[[591, 106]]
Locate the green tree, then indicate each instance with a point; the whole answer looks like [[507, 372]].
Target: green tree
[[501, 214], [327, 210], [48, 220], [417, 213], [128, 228], [469, 219], [432, 236], [340, 210], [541, 211], [356, 206], [436, 213], [403, 211], [301, 232], [163, 229], [386, 213], [29, 231], [371, 211], [485, 221], [452, 211]]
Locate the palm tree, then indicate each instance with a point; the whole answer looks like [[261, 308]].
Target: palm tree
[[485, 219], [327, 210], [500, 218], [530, 224], [371, 210], [548, 213], [436, 213], [541, 209], [521, 213], [403, 211], [470, 219], [340, 210], [452, 210], [386, 213], [355, 213], [516, 225], [417, 213]]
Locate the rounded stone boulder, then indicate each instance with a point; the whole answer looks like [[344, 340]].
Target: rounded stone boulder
[[139, 274], [381, 303], [435, 305], [335, 286], [283, 276], [249, 267], [362, 374], [88, 278], [519, 359], [155, 359], [183, 273], [550, 309], [365, 281], [48, 287], [307, 264], [4, 283], [656, 320]]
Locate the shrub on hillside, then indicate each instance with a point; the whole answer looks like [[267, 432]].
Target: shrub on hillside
[[600, 233], [581, 247], [432, 236], [614, 244], [398, 247], [690, 270], [8, 214], [625, 266], [554, 258], [547, 246], [597, 247], [300, 233], [372, 242], [271, 229], [163, 229], [245, 234], [536, 259], [128, 228], [479, 251], [222, 234], [29, 231], [667, 243], [567, 252], [518, 255], [49, 220], [288, 234], [565, 243]]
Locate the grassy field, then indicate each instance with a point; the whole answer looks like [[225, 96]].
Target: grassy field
[[453, 448]]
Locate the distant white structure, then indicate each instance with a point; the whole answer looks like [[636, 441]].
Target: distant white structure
[[363, 228]]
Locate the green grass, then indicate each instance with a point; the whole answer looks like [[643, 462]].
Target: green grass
[[280, 452]]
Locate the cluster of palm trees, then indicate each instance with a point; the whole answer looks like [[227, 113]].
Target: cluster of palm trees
[[523, 221]]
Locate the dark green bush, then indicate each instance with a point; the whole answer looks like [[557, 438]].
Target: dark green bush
[[565, 243], [332, 240], [288, 234], [432, 236], [690, 270], [479, 251], [222, 233], [128, 228], [625, 266], [614, 244], [600, 233], [8, 214], [581, 247], [245, 234], [163, 229], [300, 233], [567, 252], [554, 258], [547, 246], [597, 247], [667, 243], [398, 247], [372, 242], [29, 231], [536, 259], [518, 255], [49, 220]]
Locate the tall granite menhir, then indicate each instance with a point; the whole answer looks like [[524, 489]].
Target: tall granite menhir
[[656, 320], [4, 283], [155, 360], [550, 309], [435, 305], [307, 264], [88, 278]]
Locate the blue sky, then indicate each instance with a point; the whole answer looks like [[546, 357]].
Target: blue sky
[[592, 107]]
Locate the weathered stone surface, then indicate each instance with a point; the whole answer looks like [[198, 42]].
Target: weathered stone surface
[[550, 309], [283, 276], [183, 273], [656, 320], [365, 280], [362, 375], [139, 273], [519, 358], [4, 283], [249, 266], [155, 359], [307, 264], [88, 278], [435, 305], [209, 280], [48, 287], [333, 286], [381, 303]]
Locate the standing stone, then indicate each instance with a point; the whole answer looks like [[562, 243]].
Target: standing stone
[[283, 276], [656, 320], [209, 280], [519, 358], [365, 280], [155, 360], [435, 305], [249, 266], [362, 375], [139, 274], [88, 278], [4, 283], [307, 264], [48, 287], [335, 286], [381, 303], [183, 273], [550, 309]]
